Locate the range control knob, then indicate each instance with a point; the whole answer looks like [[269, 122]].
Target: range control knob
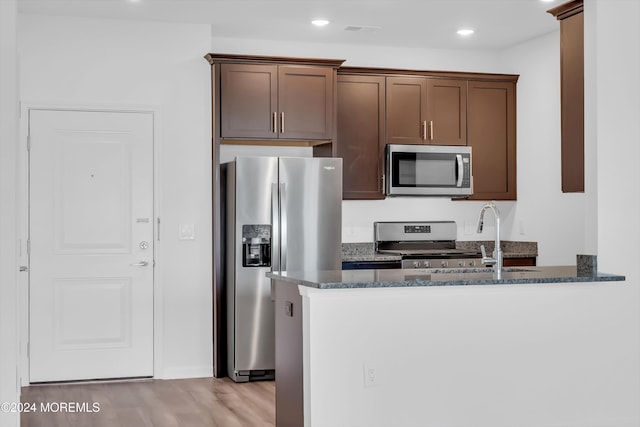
[[416, 264], [460, 263], [444, 264], [472, 263], [426, 264]]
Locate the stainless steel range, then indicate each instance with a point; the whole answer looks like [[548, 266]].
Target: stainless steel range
[[423, 244]]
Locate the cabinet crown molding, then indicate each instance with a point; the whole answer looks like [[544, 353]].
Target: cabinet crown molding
[[566, 10], [216, 58], [461, 75]]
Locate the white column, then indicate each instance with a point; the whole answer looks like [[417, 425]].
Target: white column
[[9, 385]]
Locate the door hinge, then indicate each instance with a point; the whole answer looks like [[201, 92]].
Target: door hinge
[[28, 142], [28, 246]]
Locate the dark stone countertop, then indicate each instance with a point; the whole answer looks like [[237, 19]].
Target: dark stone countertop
[[393, 278], [362, 252]]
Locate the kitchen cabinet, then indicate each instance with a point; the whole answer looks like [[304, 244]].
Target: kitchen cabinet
[[461, 108], [426, 111], [519, 262], [491, 133], [360, 135], [571, 20], [447, 111], [371, 265], [276, 101]]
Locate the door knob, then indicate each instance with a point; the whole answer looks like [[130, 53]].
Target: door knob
[[140, 264]]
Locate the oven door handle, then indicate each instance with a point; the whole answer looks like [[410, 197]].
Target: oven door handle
[[460, 170]]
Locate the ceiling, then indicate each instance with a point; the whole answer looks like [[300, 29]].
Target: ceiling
[[498, 24]]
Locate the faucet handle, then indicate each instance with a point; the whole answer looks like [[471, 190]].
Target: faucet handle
[[485, 259]]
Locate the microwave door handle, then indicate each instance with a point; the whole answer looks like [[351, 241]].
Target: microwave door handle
[[460, 170]]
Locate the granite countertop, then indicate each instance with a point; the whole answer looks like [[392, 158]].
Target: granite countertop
[[362, 252], [357, 279]]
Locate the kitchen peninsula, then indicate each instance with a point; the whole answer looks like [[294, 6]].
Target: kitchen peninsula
[[425, 347]]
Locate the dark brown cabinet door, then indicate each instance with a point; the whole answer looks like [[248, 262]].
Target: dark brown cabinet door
[[491, 131], [276, 101], [406, 110], [447, 112], [249, 100], [360, 140], [305, 102]]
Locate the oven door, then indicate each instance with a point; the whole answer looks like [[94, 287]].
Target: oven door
[[428, 170]]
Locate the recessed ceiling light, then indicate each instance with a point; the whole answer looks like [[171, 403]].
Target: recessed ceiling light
[[320, 22], [465, 31]]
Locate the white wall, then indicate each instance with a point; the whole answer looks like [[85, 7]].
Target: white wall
[[77, 61], [9, 372], [542, 213], [613, 73]]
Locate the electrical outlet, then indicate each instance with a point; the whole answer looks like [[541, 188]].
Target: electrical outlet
[[370, 375]]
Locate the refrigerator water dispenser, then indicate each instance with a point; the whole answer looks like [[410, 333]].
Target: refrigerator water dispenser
[[256, 245]]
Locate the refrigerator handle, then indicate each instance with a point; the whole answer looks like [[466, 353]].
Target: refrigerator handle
[[283, 227], [275, 228]]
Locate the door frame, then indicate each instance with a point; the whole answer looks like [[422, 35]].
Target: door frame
[[23, 231]]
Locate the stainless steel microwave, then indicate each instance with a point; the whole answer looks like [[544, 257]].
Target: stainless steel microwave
[[428, 170]]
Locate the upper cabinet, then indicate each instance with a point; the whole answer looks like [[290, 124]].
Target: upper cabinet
[[406, 110], [571, 20], [248, 101], [269, 98], [360, 135], [492, 136], [447, 111], [441, 108], [426, 111]]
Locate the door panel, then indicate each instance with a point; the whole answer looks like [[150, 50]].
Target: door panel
[[248, 100], [406, 110], [305, 99], [492, 136], [311, 203], [447, 111], [92, 195], [360, 129], [91, 279]]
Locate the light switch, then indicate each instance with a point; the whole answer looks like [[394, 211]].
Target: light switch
[[187, 232]]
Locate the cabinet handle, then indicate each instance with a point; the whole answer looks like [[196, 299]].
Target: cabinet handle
[[274, 125], [431, 130], [424, 130], [282, 122]]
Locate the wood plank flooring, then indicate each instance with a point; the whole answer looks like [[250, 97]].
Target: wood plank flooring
[[202, 402]]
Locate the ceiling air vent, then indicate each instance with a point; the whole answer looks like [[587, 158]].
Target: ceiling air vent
[[364, 28]]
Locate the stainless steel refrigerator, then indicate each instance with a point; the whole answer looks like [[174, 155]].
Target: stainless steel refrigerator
[[282, 214]]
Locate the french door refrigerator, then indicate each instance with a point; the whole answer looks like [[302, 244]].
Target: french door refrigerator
[[282, 214]]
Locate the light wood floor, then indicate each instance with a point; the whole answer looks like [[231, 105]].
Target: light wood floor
[[217, 402]]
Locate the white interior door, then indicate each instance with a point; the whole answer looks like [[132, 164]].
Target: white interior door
[[91, 245]]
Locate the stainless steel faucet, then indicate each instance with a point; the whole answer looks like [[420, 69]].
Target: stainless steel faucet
[[496, 260]]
